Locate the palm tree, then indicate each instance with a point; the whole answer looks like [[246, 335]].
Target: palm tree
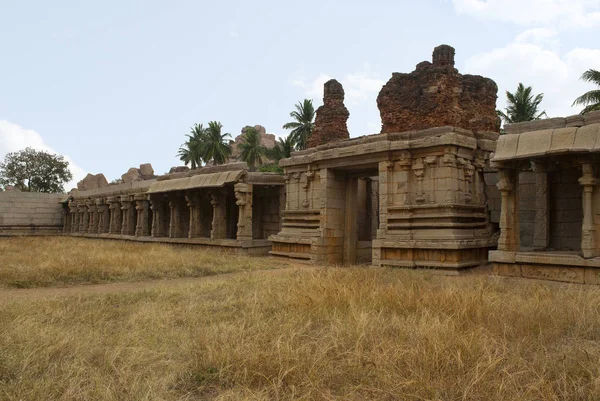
[[215, 145], [283, 149], [252, 151], [303, 123], [591, 99], [191, 151], [522, 105]]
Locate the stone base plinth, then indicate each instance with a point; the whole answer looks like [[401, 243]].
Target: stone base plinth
[[567, 267], [15, 230], [444, 259], [291, 247], [251, 247]]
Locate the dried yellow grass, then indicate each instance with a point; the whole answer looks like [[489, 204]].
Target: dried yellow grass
[[347, 334], [59, 261]]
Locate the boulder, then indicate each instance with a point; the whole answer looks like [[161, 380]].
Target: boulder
[[92, 181], [133, 174], [146, 170], [266, 140]]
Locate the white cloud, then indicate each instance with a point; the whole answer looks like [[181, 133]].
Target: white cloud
[[361, 90], [539, 36], [563, 13], [314, 88], [538, 64], [358, 87], [14, 138]]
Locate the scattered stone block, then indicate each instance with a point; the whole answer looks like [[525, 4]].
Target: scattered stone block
[[574, 121], [179, 169]]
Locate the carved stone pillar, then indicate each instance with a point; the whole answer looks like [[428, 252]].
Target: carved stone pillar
[[158, 216], [469, 171], [93, 216], [142, 209], [66, 219], [83, 217], [449, 160], [128, 209], [175, 230], [419, 170], [103, 216], [116, 223], [588, 182], [402, 184], [74, 227], [386, 171], [219, 226], [541, 233], [193, 204], [509, 211], [430, 163], [243, 199], [478, 191]]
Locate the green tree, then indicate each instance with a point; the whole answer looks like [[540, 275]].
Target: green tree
[[192, 150], [252, 152], [283, 149], [591, 99], [215, 147], [35, 171], [522, 105], [303, 123]]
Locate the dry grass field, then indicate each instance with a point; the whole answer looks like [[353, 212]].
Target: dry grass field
[[58, 261], [308, 334]]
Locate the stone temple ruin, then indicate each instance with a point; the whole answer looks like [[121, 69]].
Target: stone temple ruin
[[550, 211], [438, 188], [411, 196], [225, 206]]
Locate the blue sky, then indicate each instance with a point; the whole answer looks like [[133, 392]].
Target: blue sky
[[113, 84]]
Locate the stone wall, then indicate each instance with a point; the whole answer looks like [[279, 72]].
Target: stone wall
[[565, 210], [492, 195], [435, 95], [266, 213], [527, 207], [30, 213]]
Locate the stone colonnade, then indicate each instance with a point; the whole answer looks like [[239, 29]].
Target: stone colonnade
[[192, 213], [508, 185]]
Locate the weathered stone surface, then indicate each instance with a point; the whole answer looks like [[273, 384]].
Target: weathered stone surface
[[592, 118], [536, 125], [266, 140], [435, 94], [179, 169], [133, 174], [92, 181], [574, 121], [146, 170], [331, 118]]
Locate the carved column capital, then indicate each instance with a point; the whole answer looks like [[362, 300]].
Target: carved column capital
[[505, 183]]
